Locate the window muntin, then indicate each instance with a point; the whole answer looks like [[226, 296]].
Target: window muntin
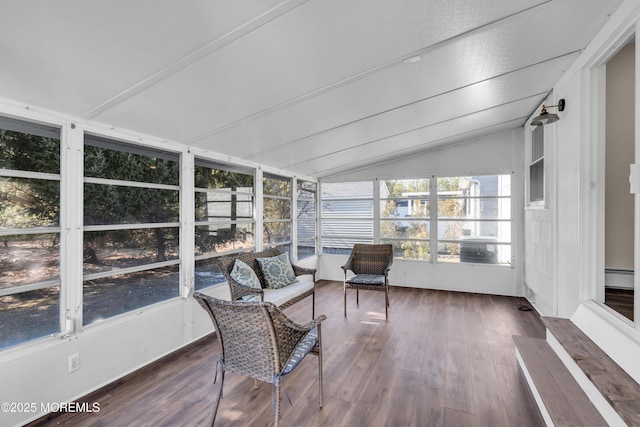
[[276, 201], [347, 215], [224, 216], [404, 217], [131, 232], [474, 219], [306, 204], [29, 231]]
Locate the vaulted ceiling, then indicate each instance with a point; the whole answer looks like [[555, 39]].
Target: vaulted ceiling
[[312, 86]]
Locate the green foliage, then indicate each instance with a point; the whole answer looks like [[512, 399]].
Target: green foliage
[[28, 202]]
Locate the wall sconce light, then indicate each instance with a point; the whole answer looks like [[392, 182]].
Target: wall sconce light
[[546, 118]]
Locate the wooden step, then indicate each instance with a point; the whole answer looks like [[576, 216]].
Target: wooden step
[[615, 386], [561, 400]]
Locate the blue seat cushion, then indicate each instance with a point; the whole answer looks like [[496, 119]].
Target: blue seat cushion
[[366, 279], [302, 349]]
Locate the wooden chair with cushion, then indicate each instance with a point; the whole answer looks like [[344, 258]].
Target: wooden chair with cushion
[[371, 265], [259, 341]]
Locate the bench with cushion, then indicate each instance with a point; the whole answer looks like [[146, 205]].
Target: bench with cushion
[[268, 276]]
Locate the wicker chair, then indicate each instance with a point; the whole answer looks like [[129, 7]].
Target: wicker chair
[[371, 265], [259, 341], [238, 291]]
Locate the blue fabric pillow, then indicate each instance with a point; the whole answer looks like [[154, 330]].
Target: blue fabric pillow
[[277, 271], [302, 349], [245, 275]]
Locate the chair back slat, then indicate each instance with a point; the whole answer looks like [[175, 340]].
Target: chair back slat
[[371, 259], [247, 337]]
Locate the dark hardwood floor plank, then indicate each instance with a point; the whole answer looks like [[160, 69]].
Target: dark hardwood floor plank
[[443, 359]]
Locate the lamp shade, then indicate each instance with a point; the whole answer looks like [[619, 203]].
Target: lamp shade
[[544, 118]]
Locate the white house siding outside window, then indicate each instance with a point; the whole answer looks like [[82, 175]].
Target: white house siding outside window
[[277, 199], [306, 214], [346, 215], [29, 232], [224, 216], [131, 227], [472, 225]]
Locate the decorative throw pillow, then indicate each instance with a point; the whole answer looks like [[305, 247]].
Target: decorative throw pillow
[[277, 271], [245, 275]]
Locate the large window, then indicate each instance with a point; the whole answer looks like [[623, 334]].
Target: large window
[[474, 219], [306, 215], [276, 204], [224, 218], [404, 217], [131, 227], [29, 232], [347, 215]]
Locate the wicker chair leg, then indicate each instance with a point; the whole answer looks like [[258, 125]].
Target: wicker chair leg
[[277, 403], [313, 305], [256, 384], [357, 296], [386, 304], [320, 367], [217, 402], [345, 300]]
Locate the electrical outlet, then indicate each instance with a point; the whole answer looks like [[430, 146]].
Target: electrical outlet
[[74, 362]]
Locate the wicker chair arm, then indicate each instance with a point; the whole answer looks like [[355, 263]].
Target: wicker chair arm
[[299, 271], [238, 290]]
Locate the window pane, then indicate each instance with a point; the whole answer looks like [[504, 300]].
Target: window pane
[[356, 189], [104, 298], [112, 204], [28, 152], [347, 208], [277, 186], [481, 251], [223, 237], [491, 230], [341, 246], [117, 162], [404, 188], [215, 177], [355, 228], [27, 316], [117, 249], [207, 274], [28, 203], [277, 209], [230, 206], [474, 208], [407, 249], [409, 229], [306, 249], [404, 208], [277, 232], [29, 258]]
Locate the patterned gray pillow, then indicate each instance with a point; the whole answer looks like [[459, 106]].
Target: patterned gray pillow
[[277, 271], [245, 275]]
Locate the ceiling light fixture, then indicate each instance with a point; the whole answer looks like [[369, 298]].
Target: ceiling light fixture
[[546, 118]]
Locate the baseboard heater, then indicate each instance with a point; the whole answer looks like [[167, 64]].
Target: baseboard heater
[[618, 279]]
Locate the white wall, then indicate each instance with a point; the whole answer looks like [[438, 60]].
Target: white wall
[[497, 153], [564, 239]]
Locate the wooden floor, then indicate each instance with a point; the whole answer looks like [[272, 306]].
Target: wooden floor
[[621, 300], [443, 359]]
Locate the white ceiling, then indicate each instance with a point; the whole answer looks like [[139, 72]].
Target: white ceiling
[[312, 86]]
